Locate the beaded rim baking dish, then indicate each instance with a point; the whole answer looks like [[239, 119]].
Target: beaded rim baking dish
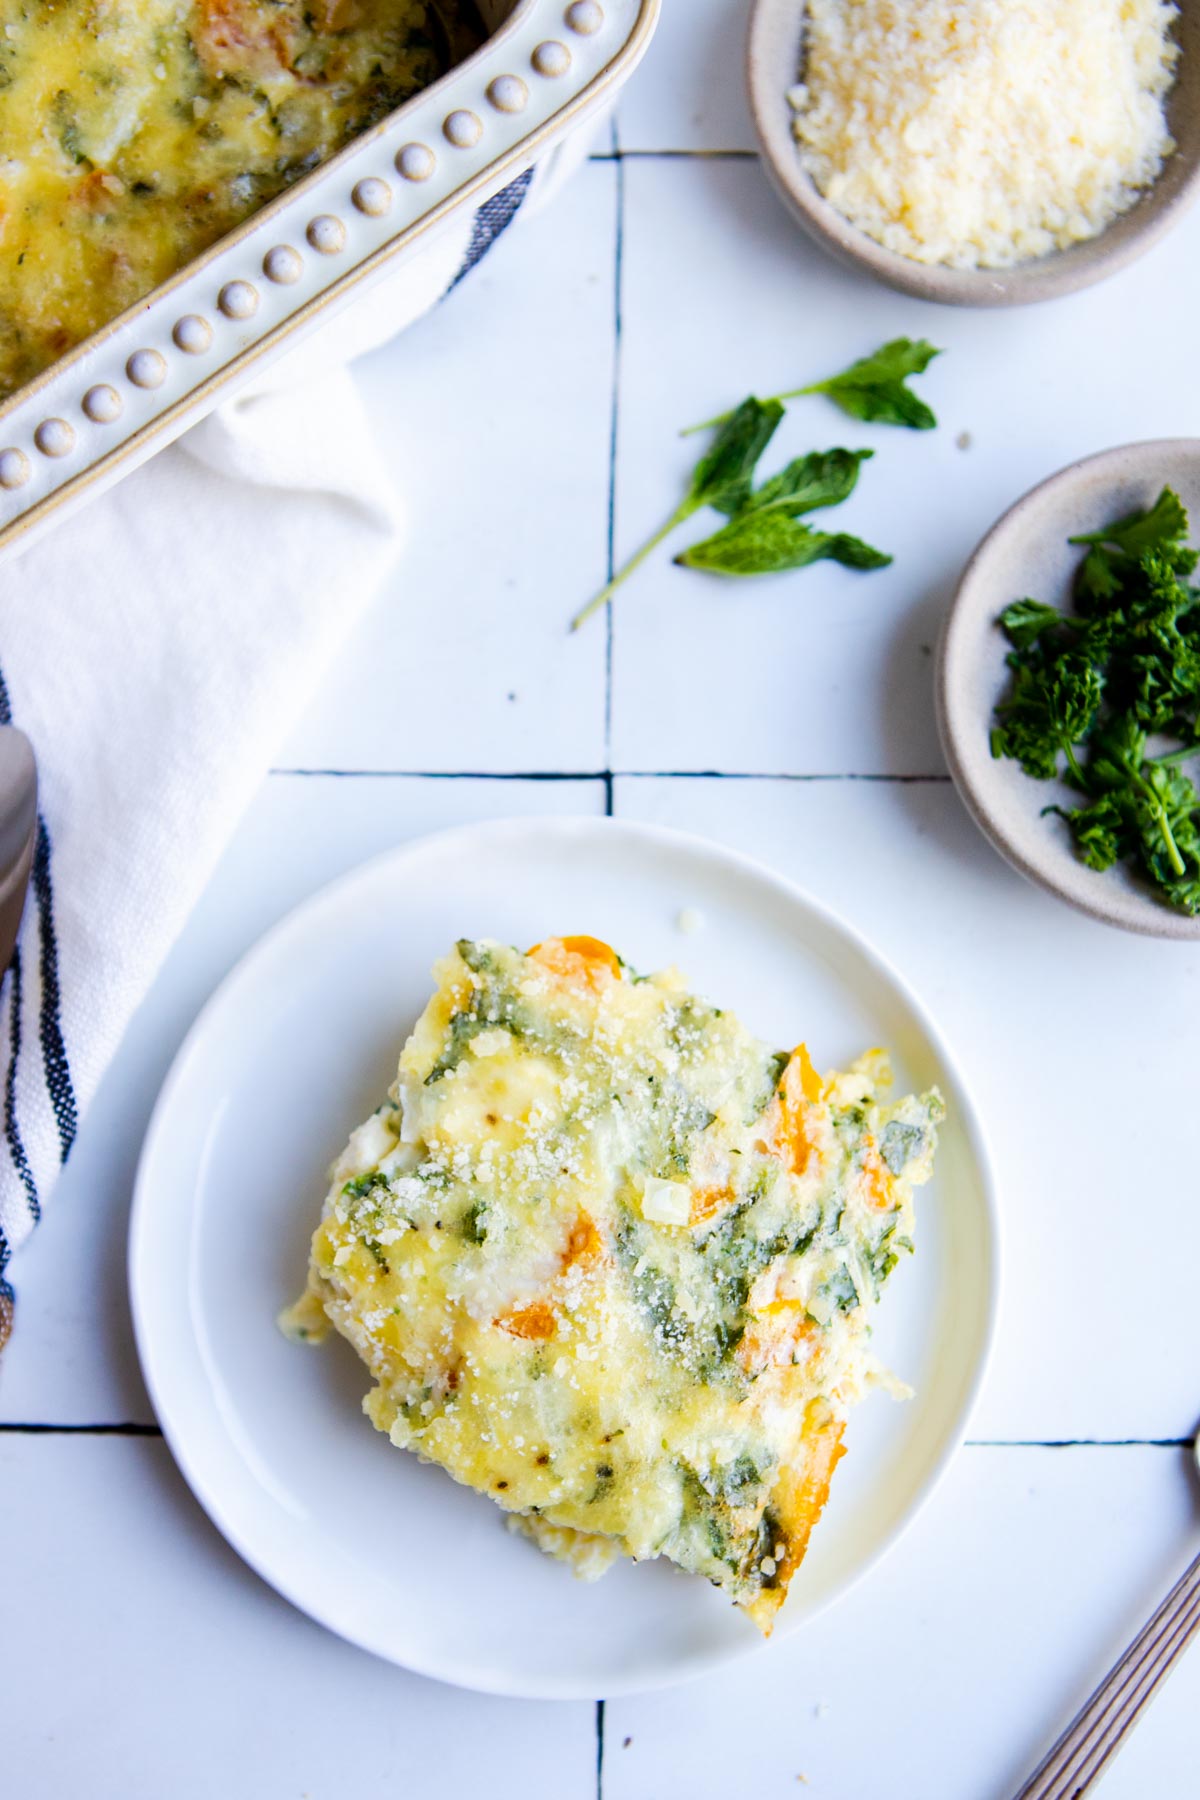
[[141, 380]]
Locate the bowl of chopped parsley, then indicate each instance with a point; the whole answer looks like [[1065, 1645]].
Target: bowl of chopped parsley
[[1068, 687]]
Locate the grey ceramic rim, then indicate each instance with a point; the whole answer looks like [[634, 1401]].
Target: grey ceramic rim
[[773, 54], [970, 659]]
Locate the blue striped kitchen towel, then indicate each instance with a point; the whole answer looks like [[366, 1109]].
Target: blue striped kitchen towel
[[156, 649]]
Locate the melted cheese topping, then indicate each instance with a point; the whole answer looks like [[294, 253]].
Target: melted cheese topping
[[612, 1262], [132, 136]]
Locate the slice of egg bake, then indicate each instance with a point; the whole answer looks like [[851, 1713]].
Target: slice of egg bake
[[613, 1262]]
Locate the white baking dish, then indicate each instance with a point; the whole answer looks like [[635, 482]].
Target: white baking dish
[[377, 207]]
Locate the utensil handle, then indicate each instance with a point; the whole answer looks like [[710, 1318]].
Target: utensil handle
[[1105, 1721]]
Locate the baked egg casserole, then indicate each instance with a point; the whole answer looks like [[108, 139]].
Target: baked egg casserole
[[132, 136], [613, 1262]]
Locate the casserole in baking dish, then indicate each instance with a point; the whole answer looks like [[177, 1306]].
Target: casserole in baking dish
[[404, 184], [138, 132]]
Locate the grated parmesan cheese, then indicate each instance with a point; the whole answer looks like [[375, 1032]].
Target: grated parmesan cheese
[[983, 133]]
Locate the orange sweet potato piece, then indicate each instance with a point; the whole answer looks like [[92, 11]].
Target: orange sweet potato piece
[[241, 37], [583, 961], [800, 1093], [707, 1202], [537, 1322], [799, 1500], [774, 1336], [584, 1242], [877, 1182]]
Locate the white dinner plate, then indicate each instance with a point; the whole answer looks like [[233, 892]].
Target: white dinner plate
[[296, 1047]]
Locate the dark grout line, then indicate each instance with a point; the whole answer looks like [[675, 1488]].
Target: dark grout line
[[614, 429], [599, 1750], [605, 775], [1077, 1443], [126, 1428], [619, 156], [450, 774], [760, 775]]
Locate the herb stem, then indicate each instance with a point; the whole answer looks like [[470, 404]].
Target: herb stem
[[706, 425], [682, 512], [1177, 862], [724, 418], [1077, 772], [1176, 758], [1164, 825]]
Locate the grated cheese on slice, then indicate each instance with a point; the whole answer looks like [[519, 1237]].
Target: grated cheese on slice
[[983, 133]]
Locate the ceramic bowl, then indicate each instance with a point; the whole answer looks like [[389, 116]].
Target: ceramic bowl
[[1027, 553], [773, 62]]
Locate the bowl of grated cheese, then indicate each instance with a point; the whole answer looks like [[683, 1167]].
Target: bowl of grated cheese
[[980, 152]]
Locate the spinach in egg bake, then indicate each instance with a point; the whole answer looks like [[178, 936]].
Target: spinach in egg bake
[[613, 1262], [135, 133]]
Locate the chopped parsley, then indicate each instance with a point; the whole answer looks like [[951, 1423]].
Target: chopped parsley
[[1091, 687]]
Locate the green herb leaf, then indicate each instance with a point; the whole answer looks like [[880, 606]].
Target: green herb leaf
[[723, 478], [1128, 666], [841, 1290], [65, 121], [1097, 581], [901, 1143], [1051, 709], [1162, 803], [767, 543], [823, 478], [1117, 756], [1165, 523], [1184, 893], [874, 388], [1025, 621], [1152, 635], [1102, 835]]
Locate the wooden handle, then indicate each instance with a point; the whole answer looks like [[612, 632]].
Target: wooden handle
[[1096, 1734]]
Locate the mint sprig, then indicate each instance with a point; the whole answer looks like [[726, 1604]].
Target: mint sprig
[[769, 543], [765, 533], [874, 390], [722, 478]]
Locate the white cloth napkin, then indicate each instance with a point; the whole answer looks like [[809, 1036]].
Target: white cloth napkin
[[155, 649]]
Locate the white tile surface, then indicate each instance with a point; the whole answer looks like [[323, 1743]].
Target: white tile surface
[[951, 1670], [1090, 1118], [954, 1665], [72, 1358], [493, 413], [689, 93], [828, 670], [141, 1659]]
